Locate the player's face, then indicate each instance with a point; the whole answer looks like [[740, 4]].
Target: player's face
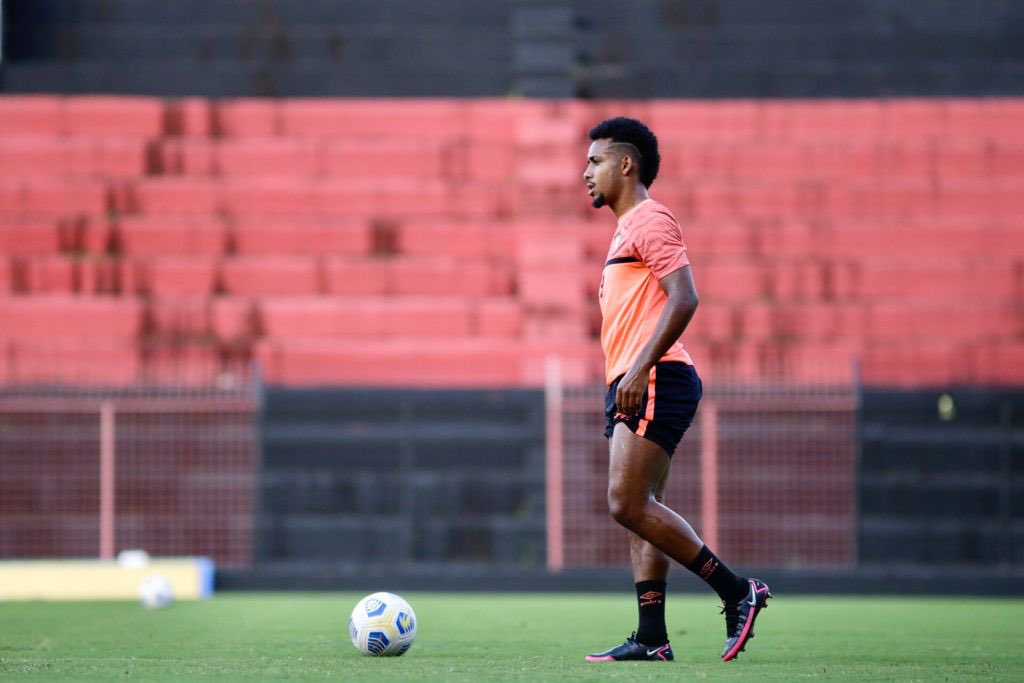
[[602, 175]]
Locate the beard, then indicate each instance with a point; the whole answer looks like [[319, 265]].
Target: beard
[[598, 201]]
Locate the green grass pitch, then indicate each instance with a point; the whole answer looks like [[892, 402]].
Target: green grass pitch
[[510, 637]]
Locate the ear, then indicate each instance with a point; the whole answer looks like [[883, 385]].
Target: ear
[[626, 164]]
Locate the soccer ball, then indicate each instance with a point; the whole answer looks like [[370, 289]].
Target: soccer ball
[[156, 592], [382, 625]]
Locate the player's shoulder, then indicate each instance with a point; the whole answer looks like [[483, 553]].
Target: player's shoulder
[[653, 214]]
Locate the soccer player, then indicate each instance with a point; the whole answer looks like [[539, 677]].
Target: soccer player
[[647, 298]]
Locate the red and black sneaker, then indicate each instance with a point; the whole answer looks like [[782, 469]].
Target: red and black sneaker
[[740, 616], [633, 650]]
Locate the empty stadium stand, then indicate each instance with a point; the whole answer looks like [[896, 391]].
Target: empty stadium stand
[[320, 236]]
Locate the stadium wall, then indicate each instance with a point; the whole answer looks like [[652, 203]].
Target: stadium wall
[[560, 48]]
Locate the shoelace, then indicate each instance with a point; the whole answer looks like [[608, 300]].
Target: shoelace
[[732, 618]]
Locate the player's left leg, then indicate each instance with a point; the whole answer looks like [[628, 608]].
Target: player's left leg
[[650, 578], [636, 467], [635, 462], [650, 571]]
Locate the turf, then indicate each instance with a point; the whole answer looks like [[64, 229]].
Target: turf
[[510, 637]]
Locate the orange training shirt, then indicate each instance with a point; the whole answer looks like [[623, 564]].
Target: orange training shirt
[[647, 246]]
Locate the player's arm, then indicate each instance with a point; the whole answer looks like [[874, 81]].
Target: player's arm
[[679, 309]]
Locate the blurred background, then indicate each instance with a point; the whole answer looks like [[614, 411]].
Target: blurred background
[[308, 287]]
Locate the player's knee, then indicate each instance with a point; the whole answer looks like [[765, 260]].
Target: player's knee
[[624, 509]]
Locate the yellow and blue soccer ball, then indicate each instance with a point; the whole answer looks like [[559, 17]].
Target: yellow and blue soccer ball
[[382, 625]]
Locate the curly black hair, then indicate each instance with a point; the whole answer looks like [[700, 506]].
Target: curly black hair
[[632, 132]]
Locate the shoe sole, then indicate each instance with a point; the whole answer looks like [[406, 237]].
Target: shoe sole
[[748, 632], [612, 659], [659, 656]]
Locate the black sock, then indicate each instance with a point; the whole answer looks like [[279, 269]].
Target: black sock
[[650, 598], [729, 587]]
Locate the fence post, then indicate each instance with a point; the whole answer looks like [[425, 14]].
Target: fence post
[[709, 473], [554, 417], [107, 480]]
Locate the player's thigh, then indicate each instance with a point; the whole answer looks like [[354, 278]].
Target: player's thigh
[[637, 467]]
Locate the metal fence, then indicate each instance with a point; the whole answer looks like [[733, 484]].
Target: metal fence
[[88, 471], [767, 476]]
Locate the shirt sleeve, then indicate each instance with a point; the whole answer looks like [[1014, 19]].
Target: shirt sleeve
[[660, 246]]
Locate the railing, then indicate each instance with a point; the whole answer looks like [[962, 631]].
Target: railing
[[766, 474], [87, 472]]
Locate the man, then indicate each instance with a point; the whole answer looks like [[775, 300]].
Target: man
[[647, 299]]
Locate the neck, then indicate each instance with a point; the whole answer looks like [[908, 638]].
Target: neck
[[628, 200]]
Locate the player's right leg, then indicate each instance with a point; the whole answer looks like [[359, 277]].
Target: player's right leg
[[634, 461], [650, 571]]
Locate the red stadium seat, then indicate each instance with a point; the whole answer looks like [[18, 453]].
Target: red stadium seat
[[938, 281], [170, 235], [977, 321], [993, 119], [387, 158], [39, 197], [486, 162], [5, 275], [30, 115], [696, 120], [21, 236], [921, 364], [114, 116], [191, 117], [546, 325], [258, 234], [290, 196], [243, 118], [185, 156], [283, 196], [176, 275], [175, 196], [465, 363], [69, 317], [814, 363], [435, 119], [347, 276], [733, 280], [498, 317], [234, 319], [180, 364], [447, 276], [273, 157], [270, 275], [999, 363], [178, 317], [79, 156], [545, 289], [455, 238], [366, 317], [49, 274], [97, 362]]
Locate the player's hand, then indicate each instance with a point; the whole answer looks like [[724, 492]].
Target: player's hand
[[630, 393]]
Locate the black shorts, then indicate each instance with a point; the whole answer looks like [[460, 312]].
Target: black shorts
[[667, 407]]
